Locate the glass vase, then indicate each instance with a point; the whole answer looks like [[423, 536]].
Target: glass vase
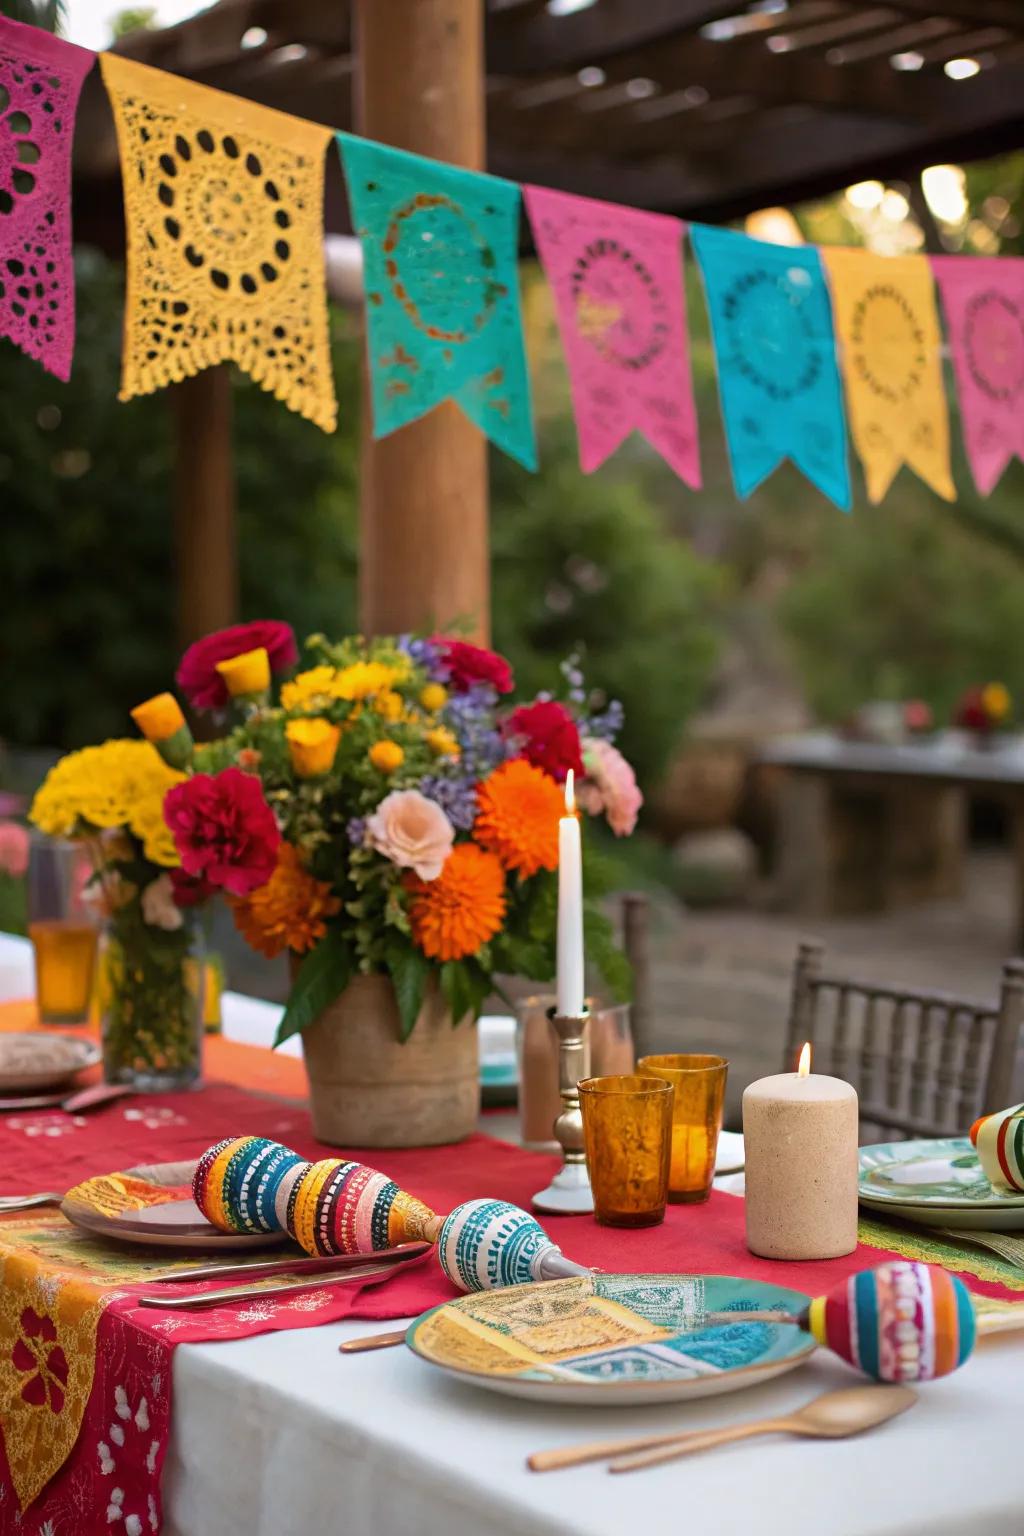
[[151, 1003]]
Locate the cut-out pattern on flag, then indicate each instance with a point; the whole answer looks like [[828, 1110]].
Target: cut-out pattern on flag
[[888, 328], [442, 292], [984, 303], [772, 327], [224, 224], [617, 278], [40, 81]]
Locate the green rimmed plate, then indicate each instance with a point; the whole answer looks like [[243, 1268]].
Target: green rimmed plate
[[937, 1183], [613, 1339]]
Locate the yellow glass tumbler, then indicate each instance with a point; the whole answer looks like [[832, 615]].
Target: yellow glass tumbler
[[627, 1133], [699, 1084]]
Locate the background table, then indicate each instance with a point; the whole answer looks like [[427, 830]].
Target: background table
[[281, 1436], [864, 826]]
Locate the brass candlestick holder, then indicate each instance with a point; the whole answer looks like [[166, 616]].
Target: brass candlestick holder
[[569, 1193]]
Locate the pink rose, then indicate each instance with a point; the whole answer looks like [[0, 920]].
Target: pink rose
[[412, 831], [13, 849], [610, 786]]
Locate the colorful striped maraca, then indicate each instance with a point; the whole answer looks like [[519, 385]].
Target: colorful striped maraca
[[900, 1322], [999, 1139], [251, 1184]]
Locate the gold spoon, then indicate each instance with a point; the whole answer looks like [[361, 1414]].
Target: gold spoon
[[831, 1417]]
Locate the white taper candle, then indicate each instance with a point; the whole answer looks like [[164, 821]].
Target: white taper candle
[[570, 991]]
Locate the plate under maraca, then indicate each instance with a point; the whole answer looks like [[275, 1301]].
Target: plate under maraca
[[153, 1207], [936, 1183], [613, 1340]]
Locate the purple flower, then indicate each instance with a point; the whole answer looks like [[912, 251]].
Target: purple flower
[[355, 830], [425, 654], [606, 726], [455, 796]]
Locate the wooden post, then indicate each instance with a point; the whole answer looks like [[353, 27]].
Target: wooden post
[[423, 560], [205, 536]]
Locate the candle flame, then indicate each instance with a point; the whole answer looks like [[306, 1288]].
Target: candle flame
[[570, 793], [805, 1060]]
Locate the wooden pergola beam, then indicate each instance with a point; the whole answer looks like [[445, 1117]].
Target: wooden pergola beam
[[423, 558], [977, 13]]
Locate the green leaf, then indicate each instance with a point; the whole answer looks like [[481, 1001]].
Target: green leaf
[[323, 975], [409, 972], [602, 951]]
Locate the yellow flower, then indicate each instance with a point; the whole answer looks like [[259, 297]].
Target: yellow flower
[[389, 705], [119, 784], [441, 741], [386, 756], [311, 746], [246, 674], [157, 843], [364, 678], [308, 688], [996, 701], [161, 721], [159, 717], [433, 697]]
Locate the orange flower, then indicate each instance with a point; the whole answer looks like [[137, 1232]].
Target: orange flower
[[289, 911], [464, 907], [519, 809]]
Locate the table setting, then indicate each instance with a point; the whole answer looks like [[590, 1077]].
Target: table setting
[[199, 1266]]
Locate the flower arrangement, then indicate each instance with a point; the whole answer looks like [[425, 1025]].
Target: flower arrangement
[[984, 709], [392, 812], [113, 798]]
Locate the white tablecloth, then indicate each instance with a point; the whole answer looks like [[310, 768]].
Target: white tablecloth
[[282, 1436]]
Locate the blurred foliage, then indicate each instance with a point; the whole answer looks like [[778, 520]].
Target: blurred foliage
[[87, 485], [49, 14], [916, 597]]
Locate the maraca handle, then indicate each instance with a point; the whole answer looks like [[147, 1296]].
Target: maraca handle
[[554, 1265]]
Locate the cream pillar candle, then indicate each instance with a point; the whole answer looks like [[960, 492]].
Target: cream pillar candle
[[800, 1140]]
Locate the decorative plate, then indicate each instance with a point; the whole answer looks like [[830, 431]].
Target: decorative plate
[[613, 1339], [32, 1062], [936, 1183], [153, 1206]]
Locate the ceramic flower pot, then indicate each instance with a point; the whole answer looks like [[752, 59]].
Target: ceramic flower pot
[[369, 1089]]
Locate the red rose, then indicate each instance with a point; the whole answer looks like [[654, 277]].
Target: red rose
[[548, 736], [971, 714], [469, 665], [224, 830], [197, 674]]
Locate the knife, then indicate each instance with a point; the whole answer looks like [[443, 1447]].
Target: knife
[[73, 1104], [370, 1274], [384, 1258]]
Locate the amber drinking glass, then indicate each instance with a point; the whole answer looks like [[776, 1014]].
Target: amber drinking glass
[[627, 1132], [699, 1083], [62, 930]]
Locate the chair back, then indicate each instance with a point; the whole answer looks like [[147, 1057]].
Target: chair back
[[924, 1063]]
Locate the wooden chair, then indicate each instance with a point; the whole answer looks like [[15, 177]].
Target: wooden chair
[[924, 1063]]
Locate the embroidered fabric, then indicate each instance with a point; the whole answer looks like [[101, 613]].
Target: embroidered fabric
[[47, 1360], [40, 81], [224, 225]]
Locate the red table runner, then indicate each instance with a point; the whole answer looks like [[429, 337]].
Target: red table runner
[[108, 1476]]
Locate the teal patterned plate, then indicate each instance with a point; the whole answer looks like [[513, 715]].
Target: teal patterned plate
[[613, 1339], [936, 1183]]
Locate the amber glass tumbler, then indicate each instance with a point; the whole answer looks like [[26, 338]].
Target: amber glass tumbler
[[699, 1083], [627, 1130]]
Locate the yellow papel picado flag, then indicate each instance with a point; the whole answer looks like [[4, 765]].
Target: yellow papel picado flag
[[224, 223], [887, 328]]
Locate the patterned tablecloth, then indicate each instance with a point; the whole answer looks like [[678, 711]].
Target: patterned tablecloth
[[85, 1372]]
